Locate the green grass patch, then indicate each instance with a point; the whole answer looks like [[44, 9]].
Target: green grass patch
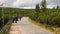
[[47, 27]]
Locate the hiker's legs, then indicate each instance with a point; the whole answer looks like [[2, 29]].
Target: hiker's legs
[[13, 21], [16, 21]]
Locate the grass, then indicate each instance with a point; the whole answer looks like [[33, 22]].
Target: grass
[[49, 28]]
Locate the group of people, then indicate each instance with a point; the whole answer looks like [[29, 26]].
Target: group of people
[[15, 19]]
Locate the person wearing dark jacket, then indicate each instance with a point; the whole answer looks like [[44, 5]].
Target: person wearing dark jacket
[[16, 19]]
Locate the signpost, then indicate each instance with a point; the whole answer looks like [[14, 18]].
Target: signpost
[[3, 15], [1, 5]]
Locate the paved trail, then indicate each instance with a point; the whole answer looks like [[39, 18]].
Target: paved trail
[[25, 27]]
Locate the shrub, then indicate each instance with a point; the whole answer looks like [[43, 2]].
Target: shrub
[[50, 18]]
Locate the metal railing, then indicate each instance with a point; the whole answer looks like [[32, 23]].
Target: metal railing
[[6, 28]]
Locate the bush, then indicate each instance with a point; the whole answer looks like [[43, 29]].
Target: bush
[[6, 19], [1, 23], [50, 18], [5, 22], [33, 15]]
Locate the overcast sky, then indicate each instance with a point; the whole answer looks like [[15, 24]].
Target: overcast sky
[[28, 3]]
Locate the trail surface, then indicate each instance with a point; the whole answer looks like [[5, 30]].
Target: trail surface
[[25, 27]]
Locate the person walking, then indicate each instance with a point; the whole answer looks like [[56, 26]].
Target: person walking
[[20, 18], [16, 19], [13, 18]]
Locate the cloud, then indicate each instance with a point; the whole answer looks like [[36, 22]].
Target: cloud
[[29, 3], [9, 2], [53, 2], [26, 3], [1, 1]]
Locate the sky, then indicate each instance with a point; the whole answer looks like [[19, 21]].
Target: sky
[[28, 3]]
